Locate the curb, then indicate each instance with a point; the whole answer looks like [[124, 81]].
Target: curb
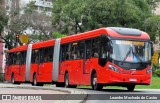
[[68, 99]]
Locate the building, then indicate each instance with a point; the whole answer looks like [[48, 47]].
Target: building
[[2, 61], [157, 9], [157, 12], [44, 5], [15, 5]]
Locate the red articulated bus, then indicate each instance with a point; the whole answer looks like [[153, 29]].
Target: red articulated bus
[[111, 56]]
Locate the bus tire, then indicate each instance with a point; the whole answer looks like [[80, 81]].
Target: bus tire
[[95, 85], [130, 87], [34, 83], [66, 82], [13, 80]]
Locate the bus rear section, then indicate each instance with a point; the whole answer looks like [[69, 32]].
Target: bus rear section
[[15, 67]]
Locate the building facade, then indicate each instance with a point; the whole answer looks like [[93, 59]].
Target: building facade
[[43, 6], [157, 9], [11, 6], [2, 56]]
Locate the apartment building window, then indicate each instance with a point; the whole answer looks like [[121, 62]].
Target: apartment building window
[[48, 9], [41, 8]]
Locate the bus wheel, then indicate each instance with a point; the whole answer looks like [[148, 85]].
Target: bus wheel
[[12, 79], [95, 85], [34, 80], [35, 83], [66, 80], [130, 87]]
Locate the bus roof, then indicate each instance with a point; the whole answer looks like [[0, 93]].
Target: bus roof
[[18, 49], [43, 44], [34, 46], [114, 32]]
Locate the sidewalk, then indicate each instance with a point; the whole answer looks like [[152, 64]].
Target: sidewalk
[[47, 90]]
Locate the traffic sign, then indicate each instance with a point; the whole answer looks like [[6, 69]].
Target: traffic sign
[[24, 38], [155, 58]]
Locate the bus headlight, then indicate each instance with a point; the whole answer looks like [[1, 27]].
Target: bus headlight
[[149, 70], [111, 67]]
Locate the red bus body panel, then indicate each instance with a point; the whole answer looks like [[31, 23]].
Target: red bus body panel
[[79, 71]]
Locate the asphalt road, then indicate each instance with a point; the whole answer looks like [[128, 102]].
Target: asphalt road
[[100, 95], [93, 96]]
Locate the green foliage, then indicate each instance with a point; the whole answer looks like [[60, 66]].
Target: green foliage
[[152, 25], [58, 35], [155, 67], [157, 72], [82, 15], [3, 17]]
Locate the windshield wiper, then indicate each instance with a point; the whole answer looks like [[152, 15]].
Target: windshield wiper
[[130, 49], [138, 58]]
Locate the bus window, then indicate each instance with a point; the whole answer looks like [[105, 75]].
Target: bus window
[[103, 50], [74, 51], [46, 54], [81, 47], [23, 58], [50, 54], [63, 52], [10, 58], [68, 52], [88, 49], [43, 55], [95, 47], [35, 56], [17, 58]]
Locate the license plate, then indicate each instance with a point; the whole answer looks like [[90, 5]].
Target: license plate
[[132, 80]]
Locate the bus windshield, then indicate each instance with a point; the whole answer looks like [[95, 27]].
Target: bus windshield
[[130, 51]]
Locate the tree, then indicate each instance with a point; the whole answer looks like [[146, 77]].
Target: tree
[[3, 18], [38, 23], [83, 15], [152, 3], [152, 25]]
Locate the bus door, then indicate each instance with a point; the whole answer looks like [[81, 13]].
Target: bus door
[[22, 61], [36, 62], [80, 51], [87, 57], [40, 61], [19, 64], [62, 59], [16, 66], [45, 63]]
